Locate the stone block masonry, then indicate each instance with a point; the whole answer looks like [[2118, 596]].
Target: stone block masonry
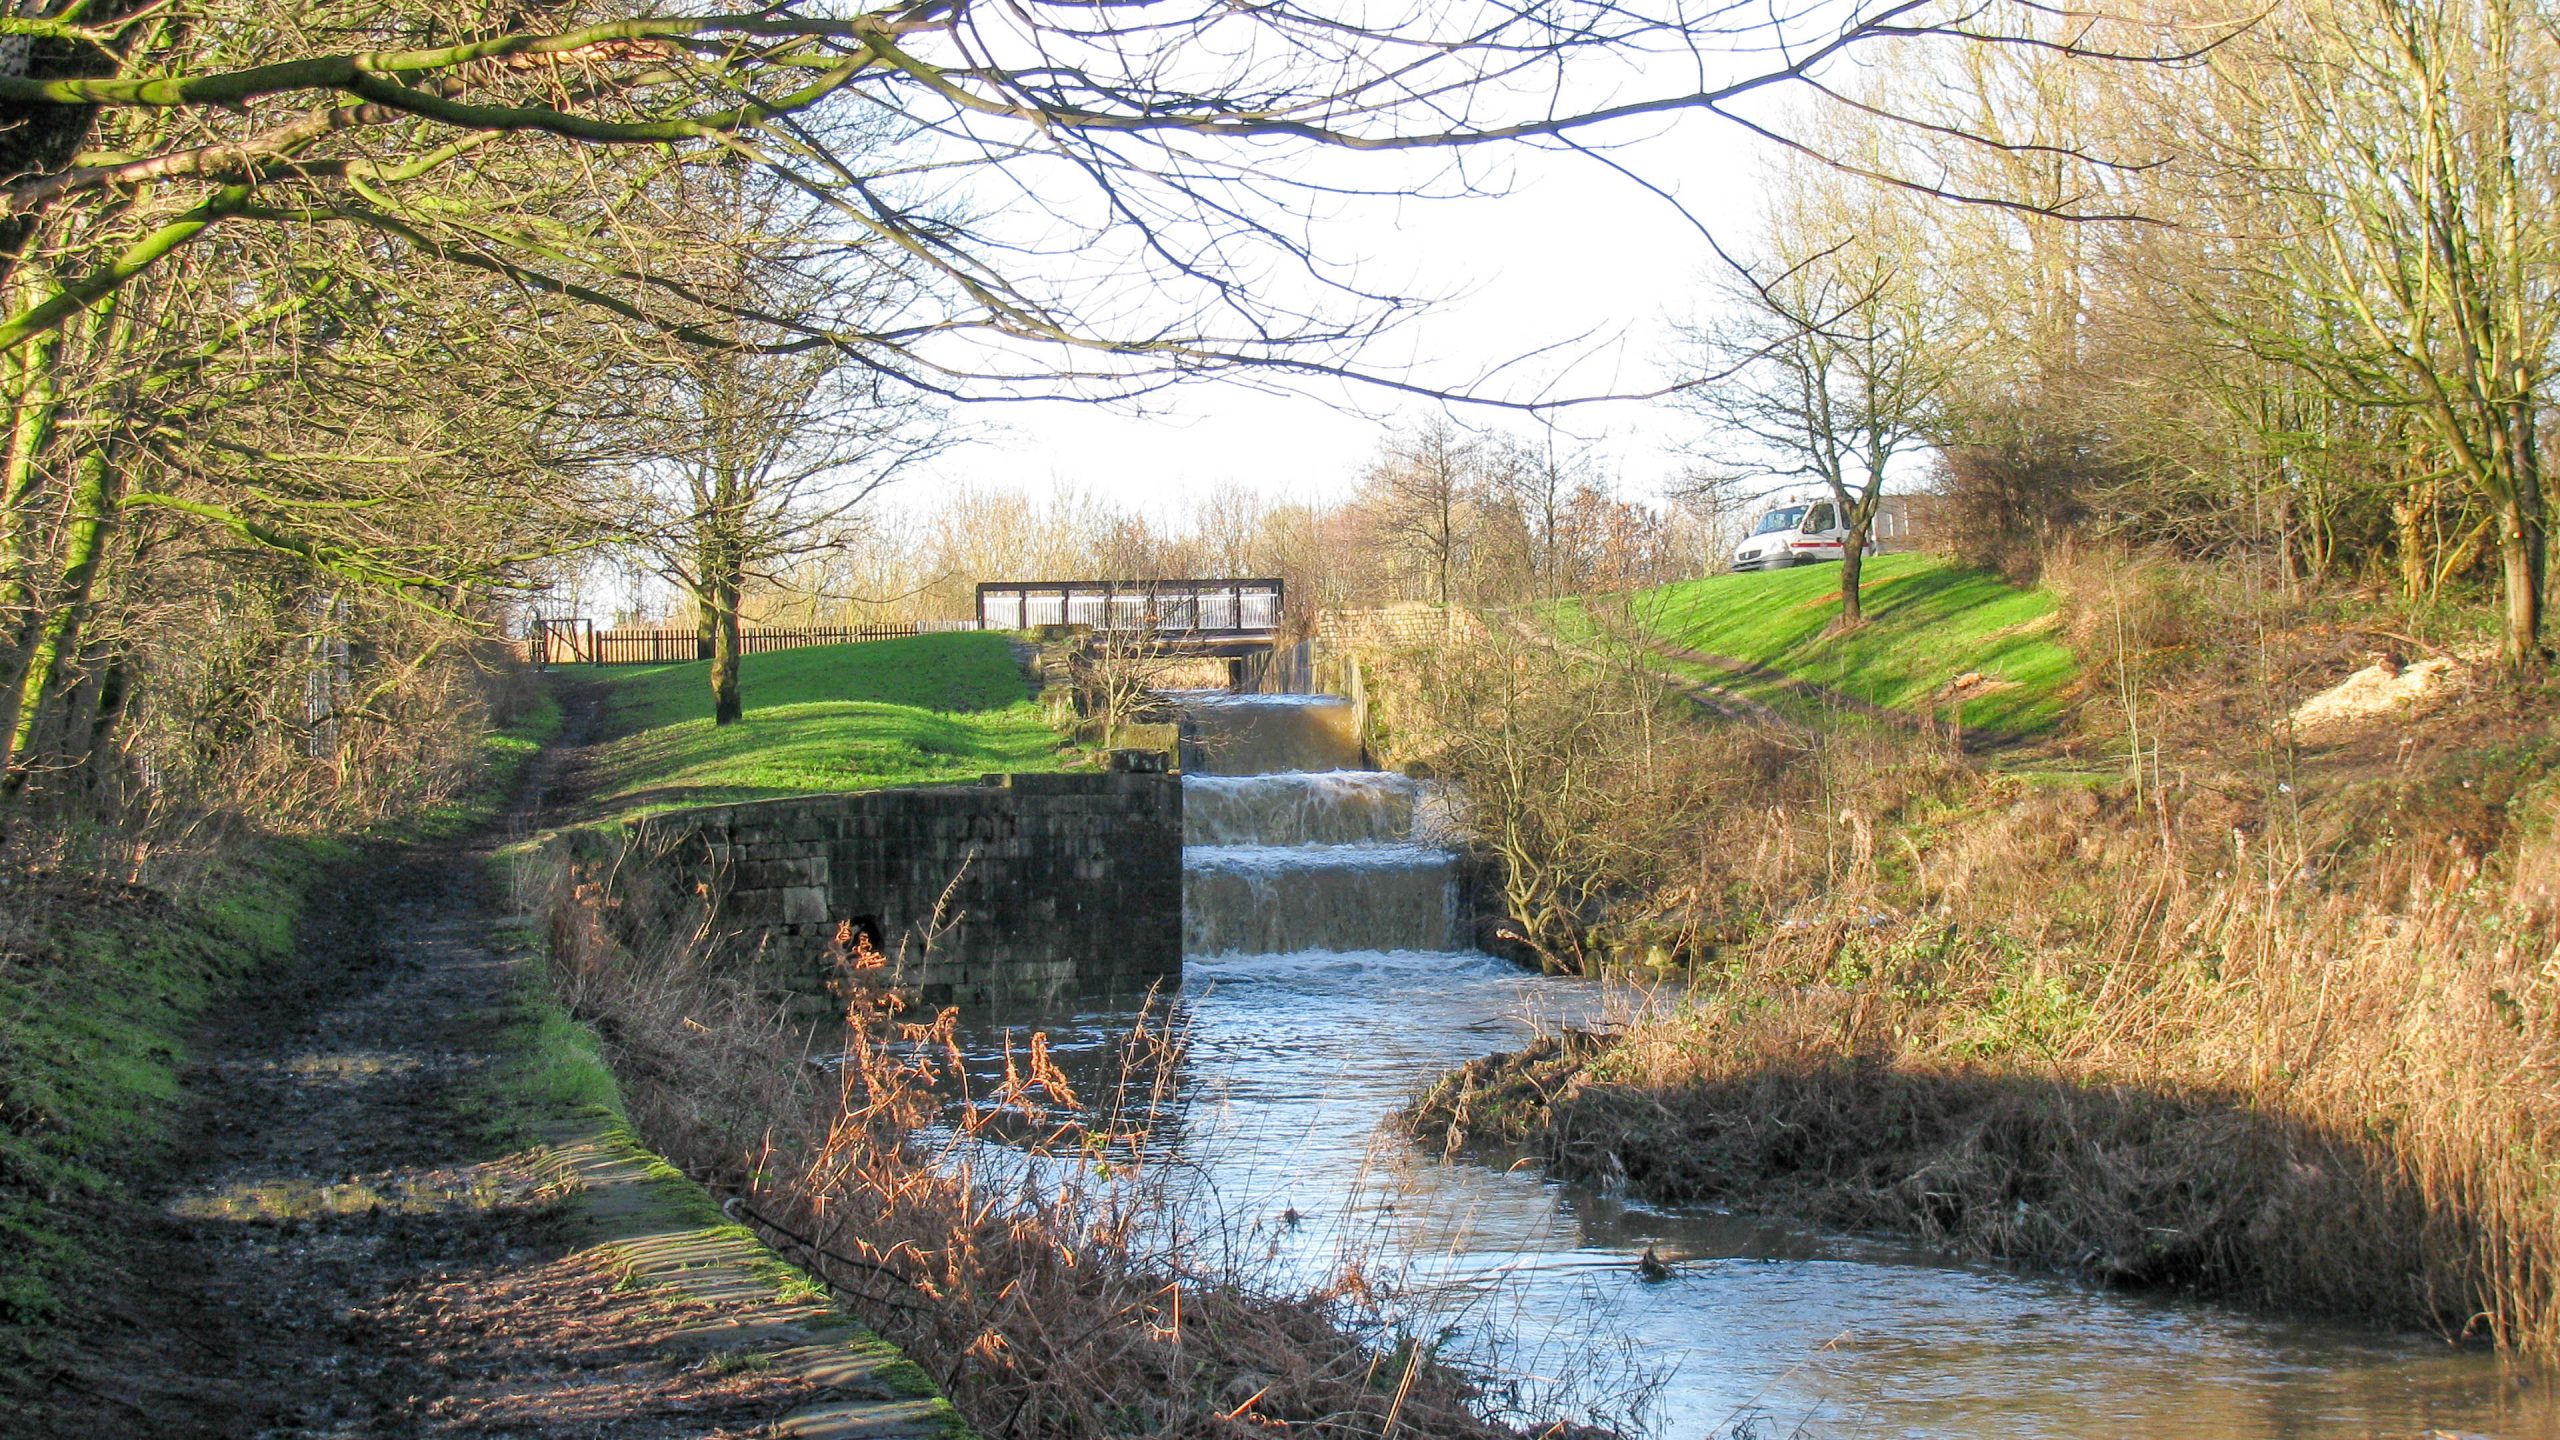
[[1019, 889]]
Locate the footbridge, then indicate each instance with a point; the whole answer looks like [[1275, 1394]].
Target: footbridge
[[1204, 617]]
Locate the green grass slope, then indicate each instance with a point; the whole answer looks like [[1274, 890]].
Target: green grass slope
[[1928, 624], [100, 987], [832, 717]]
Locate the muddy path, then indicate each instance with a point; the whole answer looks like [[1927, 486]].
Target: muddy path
[[339, 1246]]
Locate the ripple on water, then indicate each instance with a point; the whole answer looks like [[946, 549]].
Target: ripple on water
[[1295, 1057], [1321, 992]]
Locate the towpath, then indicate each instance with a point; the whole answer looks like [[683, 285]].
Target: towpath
[[341, 1248]]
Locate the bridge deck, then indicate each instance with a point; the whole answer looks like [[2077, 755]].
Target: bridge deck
[[1190, 611]]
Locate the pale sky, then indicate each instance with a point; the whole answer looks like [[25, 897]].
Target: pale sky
[[1571, 250]]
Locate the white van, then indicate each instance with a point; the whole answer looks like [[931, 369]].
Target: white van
[[1802, 528]]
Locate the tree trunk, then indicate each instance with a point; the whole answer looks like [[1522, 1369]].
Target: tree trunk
[[2520, 570], [56, 655], [2411, 511], [115, 702], [1444, 546], [1853, 610], [31, 399], [1860, 518], [726, 706]]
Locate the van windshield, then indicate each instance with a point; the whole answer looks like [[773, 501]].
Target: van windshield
[[1777, 520]]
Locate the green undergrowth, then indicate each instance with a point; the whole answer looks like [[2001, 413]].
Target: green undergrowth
[[103, 989], [1929, 625], [547, 1069], [925, 709], [549, 1084], [504, 753], [100, 985]]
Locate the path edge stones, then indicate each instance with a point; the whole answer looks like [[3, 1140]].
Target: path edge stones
[[656, 1228]]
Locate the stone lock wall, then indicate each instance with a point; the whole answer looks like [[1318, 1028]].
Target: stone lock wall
[[1017, 889]]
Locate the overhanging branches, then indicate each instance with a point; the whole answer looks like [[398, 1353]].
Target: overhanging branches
[[1157, 133]]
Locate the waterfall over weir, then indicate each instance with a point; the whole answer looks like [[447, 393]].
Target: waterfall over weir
[[1274, 899], [1330, 807], [1227, 734], [1286, 849]]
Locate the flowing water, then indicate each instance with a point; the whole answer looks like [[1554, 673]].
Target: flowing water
[[1225, 734], [1323, 988]]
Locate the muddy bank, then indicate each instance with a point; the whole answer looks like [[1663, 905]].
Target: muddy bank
[[2133, 1187]]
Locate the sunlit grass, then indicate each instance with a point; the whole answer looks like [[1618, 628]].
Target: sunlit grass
[[833, 717], [1929, 623]]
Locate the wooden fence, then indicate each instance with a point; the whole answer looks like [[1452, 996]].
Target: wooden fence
[[578, 642]]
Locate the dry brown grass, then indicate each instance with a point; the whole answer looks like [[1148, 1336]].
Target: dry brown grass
[[2277, 1024], [1618, 831], [1011, 1239], [2293, 1103]]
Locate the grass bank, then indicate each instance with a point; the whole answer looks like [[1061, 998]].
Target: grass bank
[[101, 987], [2239, 1011], [1939, 641], [911, 711], [104, 990]]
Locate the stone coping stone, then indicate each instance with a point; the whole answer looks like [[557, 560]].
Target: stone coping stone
[[954, 794], [659, 1229]]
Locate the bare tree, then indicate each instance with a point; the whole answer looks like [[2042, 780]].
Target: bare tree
[[2410, 160], [1569, 781], [1421, 493], [2332, 341], [767, 451], [1538, 479], [773, 458], [1833, 356]]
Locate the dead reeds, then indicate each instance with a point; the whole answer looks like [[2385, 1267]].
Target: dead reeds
[[2056, 1037], [2276, 1022], [1006, 1230]]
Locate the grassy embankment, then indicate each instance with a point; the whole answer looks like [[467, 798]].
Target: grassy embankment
[[1939, 642], [834, 717], [839, 717], [103, 988], [2263, 1015]]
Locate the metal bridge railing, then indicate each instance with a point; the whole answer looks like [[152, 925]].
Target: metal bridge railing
[[1200, 608]]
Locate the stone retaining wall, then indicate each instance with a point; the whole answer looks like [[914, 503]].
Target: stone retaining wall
[[1406, 625], [1020, 888]]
